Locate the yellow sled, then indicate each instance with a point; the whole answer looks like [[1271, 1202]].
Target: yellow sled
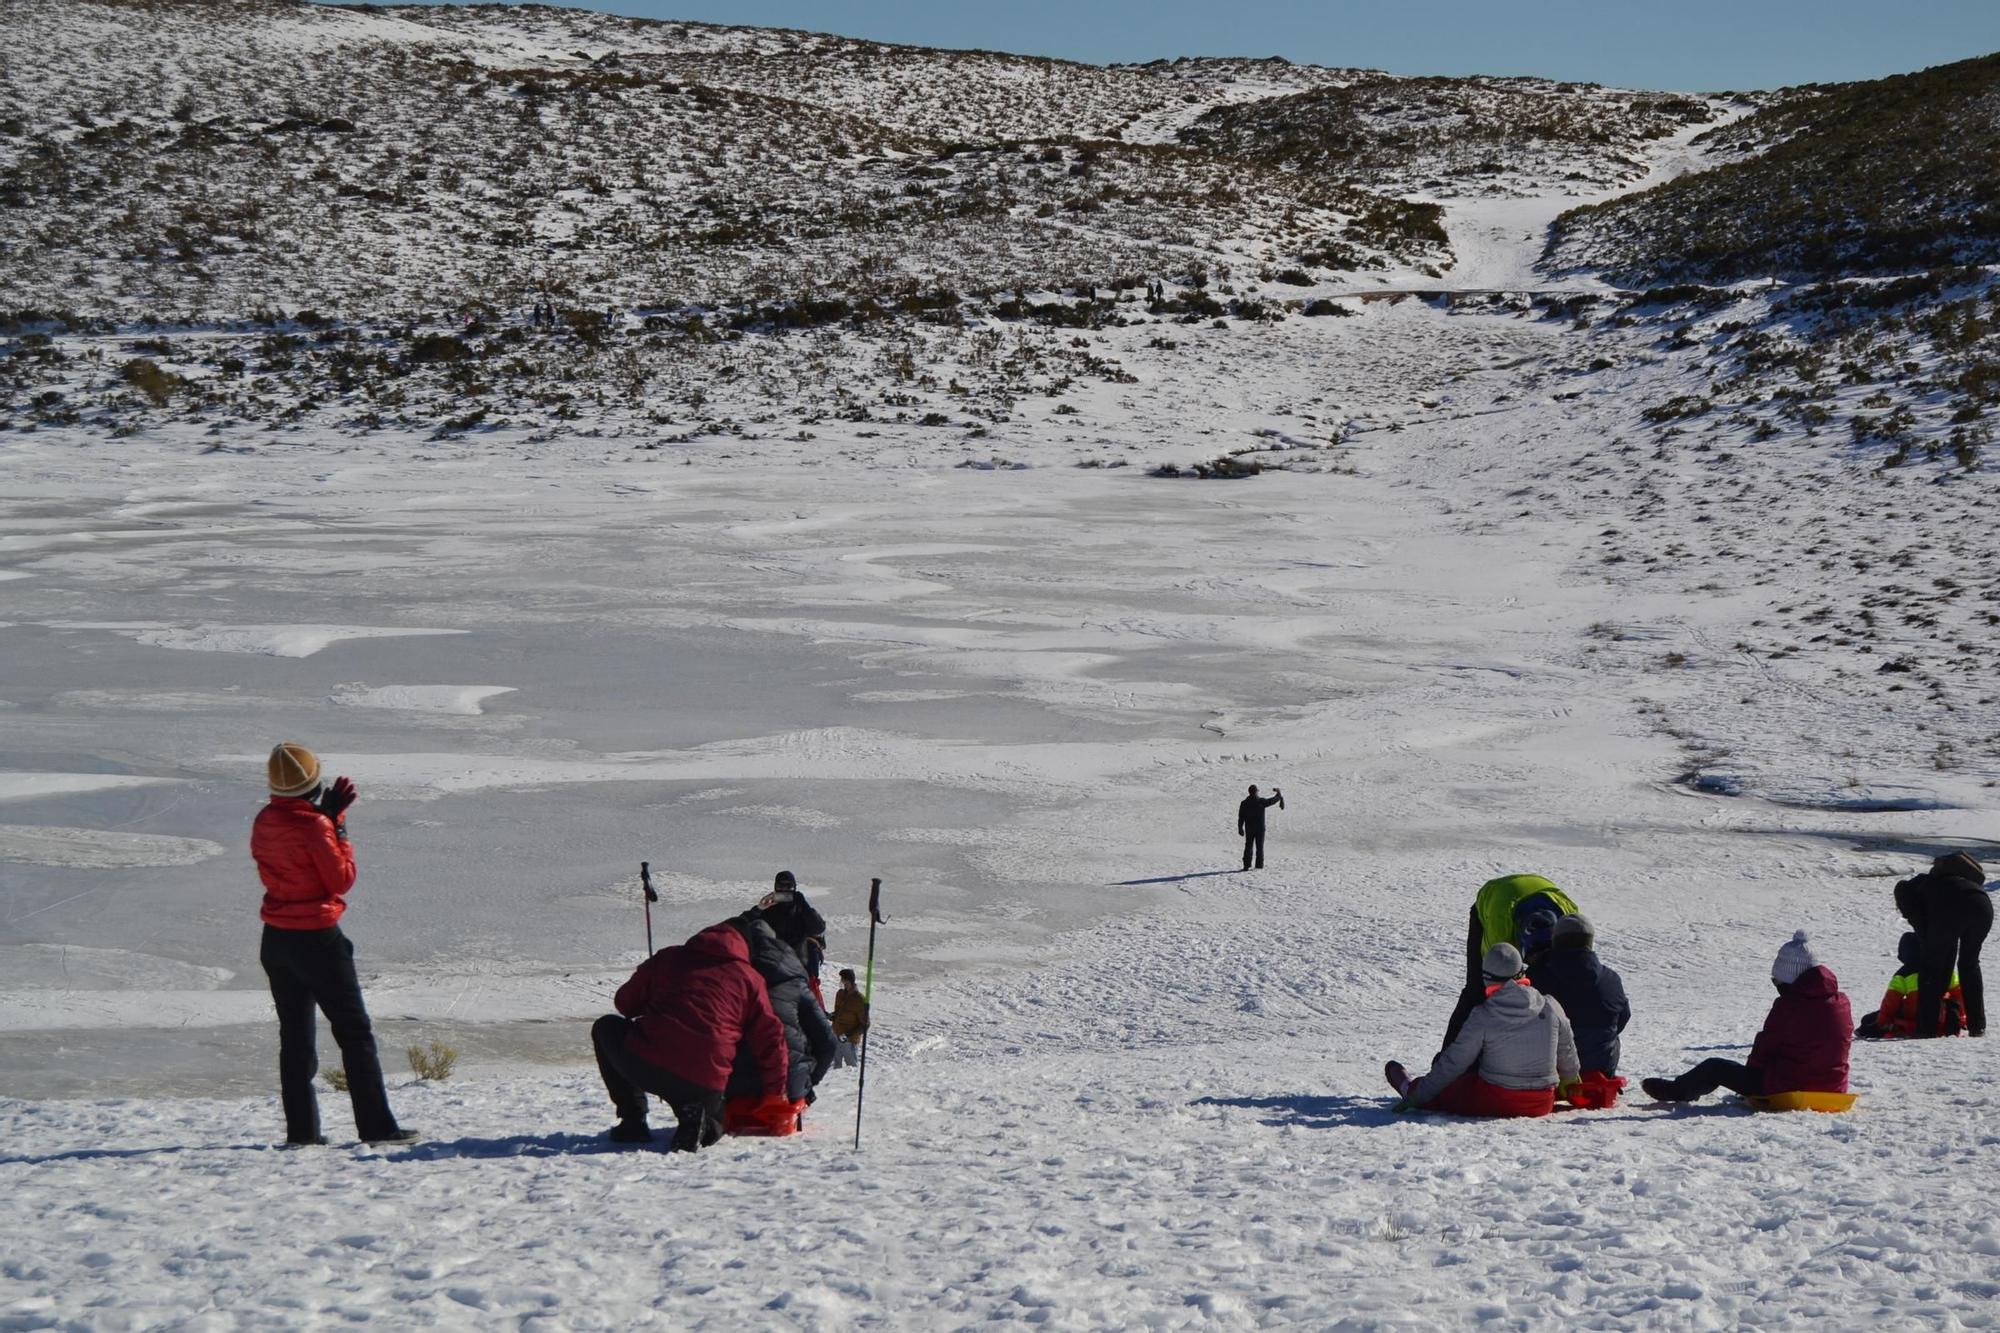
[[1805, 1101]]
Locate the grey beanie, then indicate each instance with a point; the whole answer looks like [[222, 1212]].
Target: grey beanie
[[1575, 925], [1501, 963]]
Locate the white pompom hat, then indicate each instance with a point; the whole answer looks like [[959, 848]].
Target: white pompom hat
[[1795, 959]]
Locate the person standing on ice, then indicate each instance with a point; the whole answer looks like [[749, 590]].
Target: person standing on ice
[[299, 842], [1515, 1050], [1250, 822], [796, 922], [1951, 911], [682, 1020], [1803, 1046]]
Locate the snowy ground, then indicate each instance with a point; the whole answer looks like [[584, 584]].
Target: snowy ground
[[1115, 1086]]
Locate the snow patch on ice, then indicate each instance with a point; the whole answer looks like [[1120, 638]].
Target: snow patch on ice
[[460, 700], [21, 786], [266, 640], [100, 849]]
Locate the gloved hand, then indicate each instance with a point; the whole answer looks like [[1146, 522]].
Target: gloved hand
[[334, 801]]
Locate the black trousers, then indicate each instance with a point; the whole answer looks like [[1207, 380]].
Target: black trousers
[[315, 968], [628, 1079], [1952, 924], [1709, 1075], [1253, 842]]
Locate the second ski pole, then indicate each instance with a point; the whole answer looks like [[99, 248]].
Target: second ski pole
[[875, 918]]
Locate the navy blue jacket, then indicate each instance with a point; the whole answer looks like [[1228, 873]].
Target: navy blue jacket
[[1593, 997]]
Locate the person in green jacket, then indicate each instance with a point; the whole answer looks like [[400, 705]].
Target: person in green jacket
[[1500, 914]]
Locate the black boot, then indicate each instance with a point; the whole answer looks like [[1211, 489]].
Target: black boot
[[631, 1131], [692, 1134], [1661, 1089], [395, 1136]]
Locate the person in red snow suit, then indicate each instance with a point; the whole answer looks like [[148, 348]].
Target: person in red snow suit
[[1513, 1052], [681, 1020], [1803, 1046], [1898, 1015], [299, 842]]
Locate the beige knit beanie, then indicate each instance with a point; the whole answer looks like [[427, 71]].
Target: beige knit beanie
[[293, 768]]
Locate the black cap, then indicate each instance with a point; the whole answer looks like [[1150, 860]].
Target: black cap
[[784, 880]]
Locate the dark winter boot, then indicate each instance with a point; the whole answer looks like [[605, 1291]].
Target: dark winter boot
[[316, 1141], [395, 1136], [1661, 1089], [1399, 1077], [631, 1131], [692, 1134]]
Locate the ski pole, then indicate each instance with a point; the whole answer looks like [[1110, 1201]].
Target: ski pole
[[646, 883], [875, 918]]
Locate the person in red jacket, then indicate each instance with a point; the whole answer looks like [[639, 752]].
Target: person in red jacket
[[1802, 1048], [682, 1017], [299, 842]]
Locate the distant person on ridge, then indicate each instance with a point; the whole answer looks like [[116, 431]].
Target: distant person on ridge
[[1952, 913], [299, 842], [1250, 822], [683, 1019], [1803, 1046], [796, 922], [1513, 1054], [850, 1018]]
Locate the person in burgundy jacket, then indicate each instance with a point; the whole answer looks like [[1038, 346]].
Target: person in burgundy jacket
[[299, 842], [1803, 1047], [682, 1018]]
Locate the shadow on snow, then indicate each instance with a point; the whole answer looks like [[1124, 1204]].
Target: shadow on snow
[[1307, 1112], [1174, 879]]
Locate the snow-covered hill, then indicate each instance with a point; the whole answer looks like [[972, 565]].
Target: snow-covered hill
[[847, 518]]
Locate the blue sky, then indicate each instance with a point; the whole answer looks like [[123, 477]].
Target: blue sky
[[1695, 44]]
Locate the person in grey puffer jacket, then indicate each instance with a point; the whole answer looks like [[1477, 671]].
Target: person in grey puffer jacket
[[808, 1031], [1515, 1050]]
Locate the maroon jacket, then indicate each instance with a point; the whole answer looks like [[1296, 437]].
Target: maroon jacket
[[1803, 1047], [695, 1003]]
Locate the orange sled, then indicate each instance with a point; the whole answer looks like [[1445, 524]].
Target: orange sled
[[763, 1117], [1804, 1101]]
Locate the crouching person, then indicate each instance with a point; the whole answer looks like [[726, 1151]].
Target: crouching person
[[1508, 1059], [681, 1020], [1803, 1046]]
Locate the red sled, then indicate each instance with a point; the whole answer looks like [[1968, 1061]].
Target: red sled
[[763, 1117], [1595, 1091]]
